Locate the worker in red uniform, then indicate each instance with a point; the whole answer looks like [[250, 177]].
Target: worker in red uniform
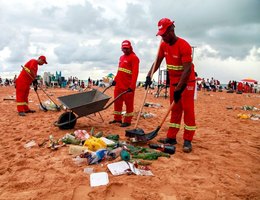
[[178, 55], [23, 82], [125, 79]]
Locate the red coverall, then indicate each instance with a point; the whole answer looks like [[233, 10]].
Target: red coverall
[[23, 83], [180, 52], [126, 77]]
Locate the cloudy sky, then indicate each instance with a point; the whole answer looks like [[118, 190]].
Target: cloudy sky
[[82, 37]]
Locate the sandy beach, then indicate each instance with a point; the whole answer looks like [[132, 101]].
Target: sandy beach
[[224, 163]]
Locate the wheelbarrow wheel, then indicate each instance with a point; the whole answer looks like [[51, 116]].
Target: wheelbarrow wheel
[[67, 120]]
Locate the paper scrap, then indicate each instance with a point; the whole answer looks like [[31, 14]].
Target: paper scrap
[[99, 178]]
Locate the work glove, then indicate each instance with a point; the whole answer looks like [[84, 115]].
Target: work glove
[[177, 93], [148, 82], [113, 83], [35, 84]]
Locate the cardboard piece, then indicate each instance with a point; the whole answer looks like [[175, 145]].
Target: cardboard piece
[[123, 167], [97, 179]]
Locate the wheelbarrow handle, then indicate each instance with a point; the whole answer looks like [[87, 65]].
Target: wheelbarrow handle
[[116, 99], [107, 88]]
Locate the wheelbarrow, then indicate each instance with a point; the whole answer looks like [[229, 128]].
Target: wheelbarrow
[[83, 104]]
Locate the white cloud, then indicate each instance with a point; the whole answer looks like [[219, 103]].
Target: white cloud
[[82, 37]]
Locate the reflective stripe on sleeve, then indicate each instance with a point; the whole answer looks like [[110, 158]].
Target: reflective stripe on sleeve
[[27, 69], [125, 70], [174, 67]]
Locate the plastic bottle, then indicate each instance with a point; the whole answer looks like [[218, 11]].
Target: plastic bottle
[[125, 155], [76, 149], [113, 154], [97, 157], [170, 149]]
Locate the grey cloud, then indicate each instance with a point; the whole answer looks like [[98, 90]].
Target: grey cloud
[[232, 28]]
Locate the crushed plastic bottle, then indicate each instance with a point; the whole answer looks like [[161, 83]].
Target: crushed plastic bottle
[[148, 115], [113, 154], [95, 157]]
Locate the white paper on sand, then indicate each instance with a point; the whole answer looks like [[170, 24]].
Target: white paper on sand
[[99, 178], [107, 141], [119, 168]]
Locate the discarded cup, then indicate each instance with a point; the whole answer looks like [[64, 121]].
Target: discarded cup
[[30, 144]]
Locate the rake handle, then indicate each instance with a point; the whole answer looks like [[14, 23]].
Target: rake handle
[[167, 113], [142, 105]]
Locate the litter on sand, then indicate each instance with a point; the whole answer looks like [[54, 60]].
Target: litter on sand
[[123, 167], [99, 178]]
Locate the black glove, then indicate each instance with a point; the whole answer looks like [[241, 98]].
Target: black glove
[[113, 83], [177, 94], [35, 84], [130, 90], [148, 82]]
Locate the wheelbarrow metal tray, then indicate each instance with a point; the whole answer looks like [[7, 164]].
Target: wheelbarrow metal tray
[[85, 103]]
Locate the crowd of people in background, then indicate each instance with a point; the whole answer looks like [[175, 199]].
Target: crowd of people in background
[[209, 85], [7, 82], [202, 84], [236, 86]]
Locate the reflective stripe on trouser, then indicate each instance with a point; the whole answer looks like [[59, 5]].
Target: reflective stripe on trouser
[[128, 98], [22, 93], [185, 106]]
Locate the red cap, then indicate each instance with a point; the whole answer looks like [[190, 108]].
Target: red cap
[[126, 44], [43, 58], [163, 24]]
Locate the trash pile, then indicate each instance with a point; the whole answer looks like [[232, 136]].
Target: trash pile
[[249, 116], [147, 115], [49, 105], [153, 105], [120, 157], [246, 107]]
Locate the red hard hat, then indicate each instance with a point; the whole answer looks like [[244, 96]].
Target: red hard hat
[[163, 24]]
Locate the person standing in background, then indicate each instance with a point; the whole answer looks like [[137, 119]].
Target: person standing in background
[[23, 82], [125, 79]]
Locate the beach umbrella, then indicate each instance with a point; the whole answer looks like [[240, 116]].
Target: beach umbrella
[[110, 75], [249, 80]]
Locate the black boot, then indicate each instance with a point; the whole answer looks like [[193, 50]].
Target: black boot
[[21, 114], [115, 121], [125, 124], [187, 146]]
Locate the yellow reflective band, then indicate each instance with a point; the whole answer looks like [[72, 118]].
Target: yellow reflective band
[[173, 125], [27, 69], [125, 70], [129, 114], [21, 104], [190, 128], [174, 67], [117, 113]]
